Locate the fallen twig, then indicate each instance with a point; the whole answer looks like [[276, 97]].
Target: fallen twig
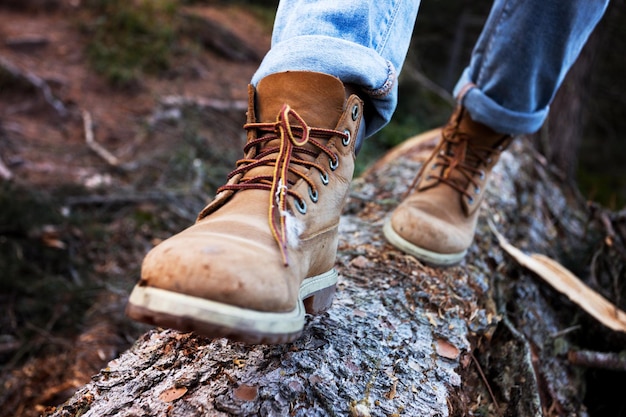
[[95, 146], [430, 85], [203, 102], [5, 172], [171, 106], [486, 382], [605, 360], [565, 331], [121, 198], [37, 82]]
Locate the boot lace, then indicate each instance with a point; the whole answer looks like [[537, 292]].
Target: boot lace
[[284, 146], [460, 164]]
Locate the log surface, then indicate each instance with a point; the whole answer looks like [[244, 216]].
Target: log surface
[[400, 337]]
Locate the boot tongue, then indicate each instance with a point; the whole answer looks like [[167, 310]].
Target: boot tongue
[[479, 133], [318, 98]]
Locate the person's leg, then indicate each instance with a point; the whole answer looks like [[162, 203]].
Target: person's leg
[[521, 58], [518, 63], [363, 43], [263, 252]]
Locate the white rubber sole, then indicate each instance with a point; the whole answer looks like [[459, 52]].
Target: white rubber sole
[[429, 257], [214, 319]]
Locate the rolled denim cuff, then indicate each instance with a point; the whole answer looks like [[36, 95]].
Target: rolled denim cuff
[[484, 109], [348, 61]]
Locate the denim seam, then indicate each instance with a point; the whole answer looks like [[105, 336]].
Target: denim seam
[[489, 46], [387, 32], [391, 72], [387, 85]]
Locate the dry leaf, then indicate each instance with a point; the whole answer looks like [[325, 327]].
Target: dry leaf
[[567, 283], [246, 392], [172, 394], [360, 262], [446, 349]]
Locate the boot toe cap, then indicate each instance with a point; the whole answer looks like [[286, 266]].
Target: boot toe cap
[[431, 232], [220, 268]]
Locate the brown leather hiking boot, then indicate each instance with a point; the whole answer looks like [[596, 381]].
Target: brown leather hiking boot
[[262, 253], [437, 220]]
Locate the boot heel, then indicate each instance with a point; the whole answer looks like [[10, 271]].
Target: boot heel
[[319, 301]]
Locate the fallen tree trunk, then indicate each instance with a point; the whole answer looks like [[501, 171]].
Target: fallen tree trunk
[[401, 338]]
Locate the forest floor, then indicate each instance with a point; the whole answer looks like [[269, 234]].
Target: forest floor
[[99, 174]]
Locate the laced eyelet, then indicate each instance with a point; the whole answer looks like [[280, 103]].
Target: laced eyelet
[[477, 190], [346, 140], [434, 167], [428, 177], [355, 112], [333, 164], [324, 178], [470, 200], [481, 173], [313, 194], [300, 205], [489, 160]]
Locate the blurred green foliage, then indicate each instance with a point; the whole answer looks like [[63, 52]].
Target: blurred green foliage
[[130, 38]]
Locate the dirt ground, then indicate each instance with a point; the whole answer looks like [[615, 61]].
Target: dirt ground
[[120, 168], [45, 147]]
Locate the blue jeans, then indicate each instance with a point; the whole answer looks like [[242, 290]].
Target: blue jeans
[[520, 59]]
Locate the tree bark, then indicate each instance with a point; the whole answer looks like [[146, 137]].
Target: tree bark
[[561, 137], [401, 338]]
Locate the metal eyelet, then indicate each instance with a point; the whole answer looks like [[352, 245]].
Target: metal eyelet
[[300, 205], [333, 164], [355, 112], [470, 200], [481, 173], [477, 190], [346, 140], [324, 177], [313, 194], [434, 167]]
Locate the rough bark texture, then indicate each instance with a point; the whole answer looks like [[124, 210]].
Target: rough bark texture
[[401, 338], [561, 136]]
